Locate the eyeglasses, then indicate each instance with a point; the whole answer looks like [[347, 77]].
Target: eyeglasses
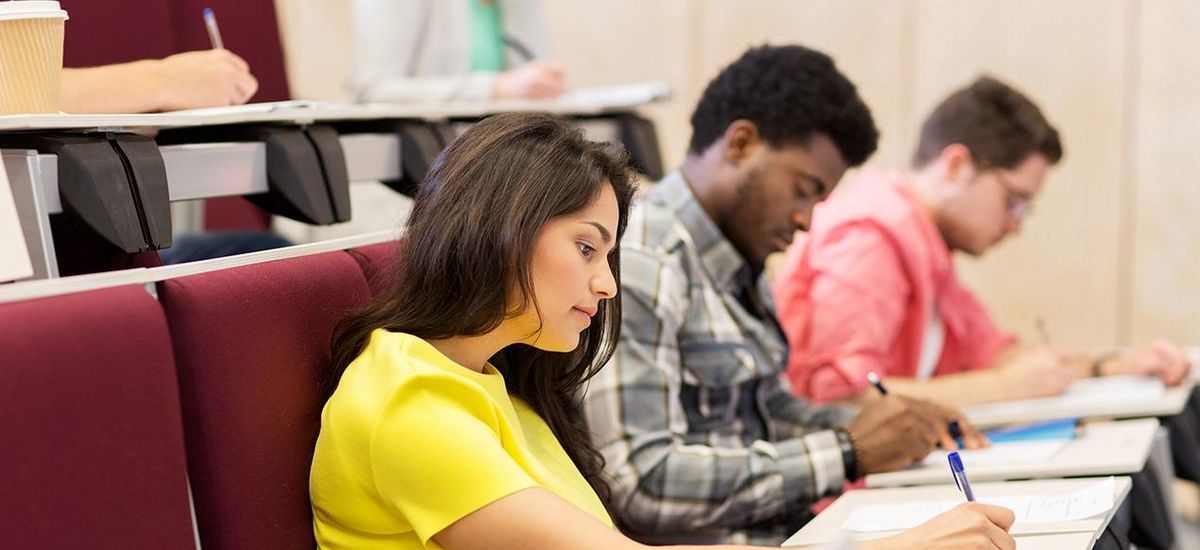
[[1018, 203]]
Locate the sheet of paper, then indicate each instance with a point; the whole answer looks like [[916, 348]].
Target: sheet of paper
[[619, 95], [999, 454], [14, 256], [1108, 388], [1090, 501], [1086, 393], [250, 108]]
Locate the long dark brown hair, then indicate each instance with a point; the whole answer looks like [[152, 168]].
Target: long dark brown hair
[[468, 249]]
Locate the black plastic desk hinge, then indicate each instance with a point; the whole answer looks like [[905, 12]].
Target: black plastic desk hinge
[[307, 178], [113, 185]]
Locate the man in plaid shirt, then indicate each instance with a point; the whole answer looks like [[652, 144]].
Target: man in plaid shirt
[[703, 443]]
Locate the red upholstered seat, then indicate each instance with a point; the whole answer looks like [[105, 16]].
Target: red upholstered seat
[[375, 260], [93, 451], [252, 347]]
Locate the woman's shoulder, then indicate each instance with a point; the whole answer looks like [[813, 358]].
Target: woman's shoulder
[[394, 361], [395, 369]]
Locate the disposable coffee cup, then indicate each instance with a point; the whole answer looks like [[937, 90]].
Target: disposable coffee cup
[[31, 54]]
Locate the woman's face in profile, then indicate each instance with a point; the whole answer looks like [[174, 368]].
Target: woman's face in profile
[[570, 274]]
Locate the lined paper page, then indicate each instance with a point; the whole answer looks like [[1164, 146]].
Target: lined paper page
[[1090, 501]]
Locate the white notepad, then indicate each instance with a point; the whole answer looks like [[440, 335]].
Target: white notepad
[[250, 108], [14, 256], [1030, 511], [1115, 388], [619, 95], [1084, 393], [999, 454]]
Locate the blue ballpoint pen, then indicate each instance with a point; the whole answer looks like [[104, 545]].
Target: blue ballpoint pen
[[960, 475], [214, 32]]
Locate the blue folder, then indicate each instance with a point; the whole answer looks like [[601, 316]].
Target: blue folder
[[1054, 429]]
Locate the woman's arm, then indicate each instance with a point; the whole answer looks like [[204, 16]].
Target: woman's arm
[[189, 80], [535, 519], [1015, 374]]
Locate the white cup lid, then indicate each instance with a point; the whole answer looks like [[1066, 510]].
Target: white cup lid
[[30, 9]]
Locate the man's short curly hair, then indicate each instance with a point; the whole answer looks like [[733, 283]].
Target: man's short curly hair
[[791, 93]]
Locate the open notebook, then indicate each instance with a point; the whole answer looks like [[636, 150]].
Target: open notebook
[[1083, 395], [1034, 513]]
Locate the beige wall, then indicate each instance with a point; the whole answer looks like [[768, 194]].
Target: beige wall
[[1164, 196], [1064, 266], [316, 45], [1105, 259]]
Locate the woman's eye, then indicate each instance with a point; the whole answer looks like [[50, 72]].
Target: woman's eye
[[586, 250]]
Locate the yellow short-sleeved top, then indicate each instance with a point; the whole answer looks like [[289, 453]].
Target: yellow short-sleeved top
[[411, 442]]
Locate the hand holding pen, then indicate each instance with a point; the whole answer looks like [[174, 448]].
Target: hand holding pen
[[1161, 359], [952, 430], [960, 475], [968, 525], [196, 79], [214, 32], [1031, 372], [533, 78]]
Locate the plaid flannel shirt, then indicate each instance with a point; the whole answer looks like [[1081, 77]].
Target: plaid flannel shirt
[[703, 441]]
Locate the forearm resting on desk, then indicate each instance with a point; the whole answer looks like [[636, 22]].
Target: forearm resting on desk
[[121, 88], [1160, 359], [205, 78], [534, 519], [960, 389], [508, 523], [971, 525], [1014, 374]]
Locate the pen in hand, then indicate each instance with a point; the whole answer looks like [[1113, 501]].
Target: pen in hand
[[877, 382], [214, 33], [1042, 333], [1044, 336], [953, 427], [516, 45], [960, 475]]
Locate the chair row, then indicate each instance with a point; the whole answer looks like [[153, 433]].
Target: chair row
[[131, 422]]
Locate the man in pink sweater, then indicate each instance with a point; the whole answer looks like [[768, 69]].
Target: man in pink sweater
[[872, 286]]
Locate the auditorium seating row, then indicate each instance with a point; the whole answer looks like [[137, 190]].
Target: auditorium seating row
[[134, 422]]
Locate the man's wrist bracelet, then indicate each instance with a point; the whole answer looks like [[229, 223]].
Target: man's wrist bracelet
[[849, 448]]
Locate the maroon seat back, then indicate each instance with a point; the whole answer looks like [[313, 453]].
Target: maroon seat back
[[93, 449], [252, 348], [117, 31], [376, 261]]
